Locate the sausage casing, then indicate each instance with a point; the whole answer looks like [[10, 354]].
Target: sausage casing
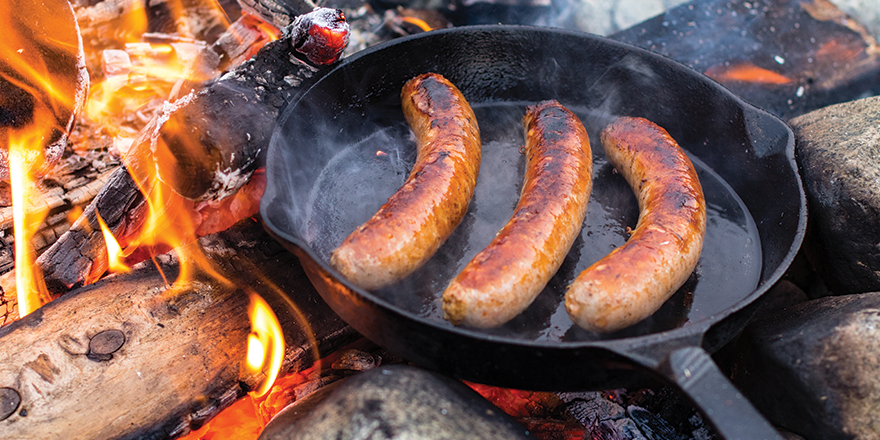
[[504, 278], [633, 281], [410, 227]]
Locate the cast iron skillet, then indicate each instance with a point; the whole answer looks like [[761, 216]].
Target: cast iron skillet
[[344, 147]]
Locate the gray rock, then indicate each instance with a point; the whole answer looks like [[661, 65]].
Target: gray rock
[[866, 11], [398, 402], [838, 150], [605, 17], [813, 369]]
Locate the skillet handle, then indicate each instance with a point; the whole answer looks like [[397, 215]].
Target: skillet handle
[[727, 410]]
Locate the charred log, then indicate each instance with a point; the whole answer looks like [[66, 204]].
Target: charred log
[[207, 144], [149, 361], [216, 138], [280, 13], [69, 261]]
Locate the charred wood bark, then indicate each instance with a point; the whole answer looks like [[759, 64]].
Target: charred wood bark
[[128, 357], [208, 143], [787, 56], [216, 137], [69, 261], [280, 13]]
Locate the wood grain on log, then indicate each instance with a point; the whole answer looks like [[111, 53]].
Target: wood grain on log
[[128, 357]]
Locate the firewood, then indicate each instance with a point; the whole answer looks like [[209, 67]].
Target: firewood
[[279, 13], [208, 143], [106, 23], [70, 259], [229, 120], [129, 357]]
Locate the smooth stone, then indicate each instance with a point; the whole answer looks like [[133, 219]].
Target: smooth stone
[[397, 402], [838, 150], [813, 368]]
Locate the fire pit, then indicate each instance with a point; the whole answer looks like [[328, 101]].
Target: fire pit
[[199, 158]]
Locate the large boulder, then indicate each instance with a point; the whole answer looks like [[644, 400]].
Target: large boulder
[[838, 150], [813, 368], [397, 402]]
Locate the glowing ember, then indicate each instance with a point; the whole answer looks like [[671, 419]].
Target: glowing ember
[[246, 418], [265, 343], [325, 38], [840, 52], [746, 72]]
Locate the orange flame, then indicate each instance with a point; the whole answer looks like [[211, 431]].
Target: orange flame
[[746, 72], [137, 75], [25, 157], [245, 419], [418, 22], [265, 343], [114, 250], [36, 35], [267, 29]]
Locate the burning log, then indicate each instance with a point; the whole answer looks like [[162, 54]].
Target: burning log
[[154, 361], [106, 22], [81, 250], [206, 146], [208, 143]]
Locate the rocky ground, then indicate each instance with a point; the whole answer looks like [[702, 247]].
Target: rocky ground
[[865, 11], [605, 17]]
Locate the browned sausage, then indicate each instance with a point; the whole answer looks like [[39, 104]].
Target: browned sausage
[[505, 277], [634, 280], [420, 216]]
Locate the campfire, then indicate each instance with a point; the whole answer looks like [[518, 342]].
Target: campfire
[[142, 295]]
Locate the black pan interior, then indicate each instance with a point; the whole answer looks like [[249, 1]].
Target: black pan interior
[[344, 148]]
